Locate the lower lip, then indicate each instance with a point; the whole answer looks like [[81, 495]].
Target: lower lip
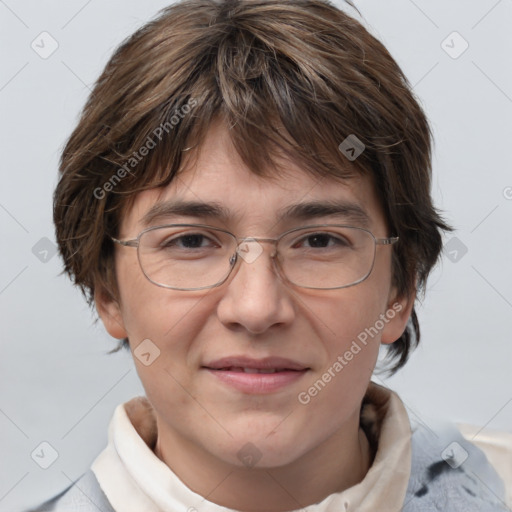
[[258, 383]]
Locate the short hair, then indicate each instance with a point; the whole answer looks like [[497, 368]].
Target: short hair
[[288, 78]]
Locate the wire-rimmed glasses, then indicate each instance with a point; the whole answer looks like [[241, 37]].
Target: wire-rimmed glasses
[[197, 256]]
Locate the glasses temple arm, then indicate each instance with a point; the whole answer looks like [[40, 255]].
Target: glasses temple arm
[[387, 241], [126, 243]]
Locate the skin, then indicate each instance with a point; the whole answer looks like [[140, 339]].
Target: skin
[[307, 451]]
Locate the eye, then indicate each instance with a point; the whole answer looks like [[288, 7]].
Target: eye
[[322, 241], [188, 241]]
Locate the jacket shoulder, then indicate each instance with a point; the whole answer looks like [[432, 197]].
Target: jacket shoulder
[[84, 495], [450, 474]]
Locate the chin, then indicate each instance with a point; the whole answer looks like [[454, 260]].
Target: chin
[[269, 445]]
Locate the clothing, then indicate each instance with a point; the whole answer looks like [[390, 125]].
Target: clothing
[[497, 447], [411, 472]]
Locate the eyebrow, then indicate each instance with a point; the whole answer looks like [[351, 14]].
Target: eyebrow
[[166, 209], [345, 210]]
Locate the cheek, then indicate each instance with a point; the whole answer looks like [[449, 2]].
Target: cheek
[[150, 311], [342, 315], [348, 324], [351, 346], [167, 323], [169, 319], [172, 322]]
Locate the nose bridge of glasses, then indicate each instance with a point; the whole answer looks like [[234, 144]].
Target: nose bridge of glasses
[[250, 248]]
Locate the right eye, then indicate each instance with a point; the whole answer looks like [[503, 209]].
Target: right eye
[[188, 241]]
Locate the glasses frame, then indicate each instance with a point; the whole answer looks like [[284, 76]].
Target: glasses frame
[[135, 242]]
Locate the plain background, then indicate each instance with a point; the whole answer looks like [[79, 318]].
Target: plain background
[[59, 386]]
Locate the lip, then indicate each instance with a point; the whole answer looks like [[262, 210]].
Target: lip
[[228, 371], [257, 364]]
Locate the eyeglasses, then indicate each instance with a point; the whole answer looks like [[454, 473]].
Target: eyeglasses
[[196, 256]]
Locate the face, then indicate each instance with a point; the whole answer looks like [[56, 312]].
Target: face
[[253, 318]]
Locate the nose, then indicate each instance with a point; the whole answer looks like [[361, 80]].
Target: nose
[[254, 297]]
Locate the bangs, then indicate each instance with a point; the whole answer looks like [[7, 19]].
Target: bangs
[[250, 87]]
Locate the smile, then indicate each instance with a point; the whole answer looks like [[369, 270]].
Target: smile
[[253, 381], [254, 370]]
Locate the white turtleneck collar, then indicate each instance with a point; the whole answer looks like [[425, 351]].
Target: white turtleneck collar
[[134, 479]]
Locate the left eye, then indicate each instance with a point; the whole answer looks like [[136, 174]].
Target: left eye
[[322, 240]]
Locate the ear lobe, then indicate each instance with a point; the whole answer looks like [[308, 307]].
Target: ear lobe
[[110, 313], [398, 313]]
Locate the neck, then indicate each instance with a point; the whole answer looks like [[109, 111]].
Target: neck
[[340, 462]]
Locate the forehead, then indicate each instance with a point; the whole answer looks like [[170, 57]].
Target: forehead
[[215, 186]]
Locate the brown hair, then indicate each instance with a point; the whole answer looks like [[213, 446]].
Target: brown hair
[[287, 77]]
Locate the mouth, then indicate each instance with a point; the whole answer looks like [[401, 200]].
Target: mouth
[[253, 370], [256, 376], [253, 365]]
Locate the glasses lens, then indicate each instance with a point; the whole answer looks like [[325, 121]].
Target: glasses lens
[[186, 257], [327, 256]]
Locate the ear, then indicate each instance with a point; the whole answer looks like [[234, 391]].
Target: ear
[[397, 314], [110, 313]]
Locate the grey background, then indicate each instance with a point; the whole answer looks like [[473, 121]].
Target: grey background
[[57, 383]]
